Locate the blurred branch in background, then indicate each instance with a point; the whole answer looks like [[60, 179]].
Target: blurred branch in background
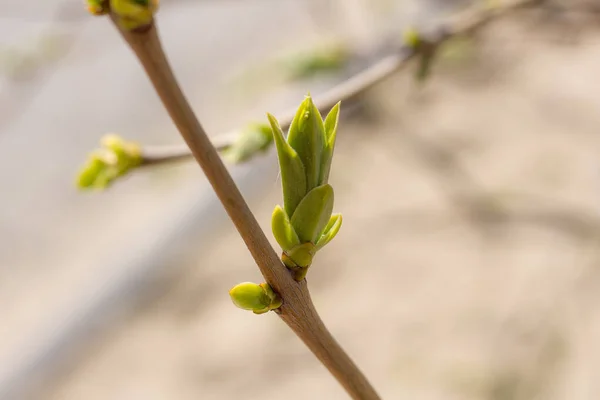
[[464, 24]]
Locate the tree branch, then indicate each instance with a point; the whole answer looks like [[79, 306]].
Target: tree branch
[[466, 23], [297, 311]]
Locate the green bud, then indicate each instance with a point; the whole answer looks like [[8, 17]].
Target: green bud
[[134, 14], [313, 213], [128, 154], [88, 176], [330, 230], [283, 231], [104, 165], [330, 125], [307, 137], [257, 298], [412, 38], [305, 158], [97, 7], [255, 139], [293, 177]]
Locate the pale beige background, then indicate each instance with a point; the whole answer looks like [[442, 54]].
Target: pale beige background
[[466, 267]]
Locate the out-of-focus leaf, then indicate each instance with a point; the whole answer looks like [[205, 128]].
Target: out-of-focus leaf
[[255, 139], [325, 58]]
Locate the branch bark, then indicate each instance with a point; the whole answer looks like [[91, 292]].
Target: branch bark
[[297, 311]]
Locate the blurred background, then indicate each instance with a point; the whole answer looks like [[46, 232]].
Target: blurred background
[[468, 266]]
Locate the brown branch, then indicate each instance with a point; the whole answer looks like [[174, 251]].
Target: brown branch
[[465, 23], [298, 311]]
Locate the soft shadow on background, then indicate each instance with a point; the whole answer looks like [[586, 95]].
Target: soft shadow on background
[[467, 266]]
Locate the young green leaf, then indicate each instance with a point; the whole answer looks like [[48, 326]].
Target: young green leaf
[[283, 231], [307, 137], [329, 232], [330, 125], [313, 213], [293, 177]]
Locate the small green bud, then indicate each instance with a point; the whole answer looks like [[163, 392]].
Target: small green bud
[[313, 213], [307, 137], [331, 124], [128, 154], [330, 230], [293, 177], [412, 38], [134, 14], [104, 165], [255, 139], [283, 231], [92, 170], [97, 7], [257, 298]]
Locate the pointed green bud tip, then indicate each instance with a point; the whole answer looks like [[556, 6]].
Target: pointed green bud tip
[[134, 14], [307, 137], [254, 297], [293, 177], [331, 126], [330, 231], [252, 141]]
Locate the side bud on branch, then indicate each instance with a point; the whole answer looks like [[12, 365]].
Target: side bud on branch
[[97, 7], [305, 224], [254, 139], [104, 165], [131, 14], [256, 298], [134, 14]]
